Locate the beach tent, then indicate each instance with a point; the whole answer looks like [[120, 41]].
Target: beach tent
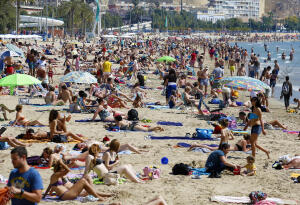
[[15, 80], [9, 53], [79, 77]]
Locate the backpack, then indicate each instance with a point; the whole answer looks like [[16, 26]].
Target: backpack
[[203, 134], [257, 196], [133, 115], [181, 169], [34, 160], [60, 138], [285, 88]]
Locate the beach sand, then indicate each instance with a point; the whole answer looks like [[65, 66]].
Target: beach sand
[[174, 189]]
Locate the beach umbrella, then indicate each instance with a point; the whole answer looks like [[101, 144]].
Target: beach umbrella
[[166, 59], [15, 49], [18, 80], [79, 77], [244, 83], [9, 53]]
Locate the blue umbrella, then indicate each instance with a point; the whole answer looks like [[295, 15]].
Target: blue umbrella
[[15, 49], [9, 53], [79, 77]]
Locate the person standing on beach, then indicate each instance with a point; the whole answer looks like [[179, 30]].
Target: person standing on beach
[[287, 92], [24, 181]]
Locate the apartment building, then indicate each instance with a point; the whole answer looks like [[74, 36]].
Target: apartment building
[[244, 9]]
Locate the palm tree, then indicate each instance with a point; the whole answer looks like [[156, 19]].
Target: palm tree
[[70, 10], [7, 16]]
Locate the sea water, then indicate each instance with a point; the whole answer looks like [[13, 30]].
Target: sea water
[[287, 67]]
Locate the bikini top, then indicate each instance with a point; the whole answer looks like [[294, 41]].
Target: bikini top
[[252, 116], [60, 182]]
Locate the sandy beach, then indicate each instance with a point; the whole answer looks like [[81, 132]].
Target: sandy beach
[[177, 190]]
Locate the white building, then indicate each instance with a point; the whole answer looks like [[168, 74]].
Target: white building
[[244, 9], [205, 16]]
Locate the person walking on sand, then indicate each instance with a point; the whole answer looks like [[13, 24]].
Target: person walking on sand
[[286, 92], [24, 181]]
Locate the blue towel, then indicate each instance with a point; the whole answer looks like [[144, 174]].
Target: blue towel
[[158, 107], [176, 138], [183, 144], [77, 168], [89, 120], [177, 124], [199, 171]]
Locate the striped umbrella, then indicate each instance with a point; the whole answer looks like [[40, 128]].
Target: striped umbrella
[[241, 85], [79, 77], [15, 49], [242, 81]]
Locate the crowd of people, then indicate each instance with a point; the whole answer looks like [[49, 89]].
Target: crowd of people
[[121, 69]]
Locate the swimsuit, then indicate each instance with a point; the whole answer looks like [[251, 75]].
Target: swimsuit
[[60, 183], [129, 127], [104, 114], [240, 148], [256, 129]]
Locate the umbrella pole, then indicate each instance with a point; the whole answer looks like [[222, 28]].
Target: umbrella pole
[[11, 88]]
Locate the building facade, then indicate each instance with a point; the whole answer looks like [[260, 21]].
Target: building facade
[[244, 9]]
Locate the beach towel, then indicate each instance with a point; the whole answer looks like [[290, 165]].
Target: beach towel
[[158, 107], [199, 171], [177, 138], [201, 149], [291, 132], [88, 198], [246, 200], [72, 141], [11, 122], [89, 120], [177, 124], [45, 105]]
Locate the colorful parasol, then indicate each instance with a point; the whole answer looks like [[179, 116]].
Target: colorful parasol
[[244, 83]]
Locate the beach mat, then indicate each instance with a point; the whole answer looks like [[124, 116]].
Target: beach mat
[[72, 141], [45, 105], [167, 123], [291, 132], [178, 138], [246, 200], [295, 175]]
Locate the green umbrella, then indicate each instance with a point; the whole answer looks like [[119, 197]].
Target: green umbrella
[[166, 59], [18, 80]]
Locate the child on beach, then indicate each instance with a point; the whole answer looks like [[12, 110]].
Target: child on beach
[[250, 167], [226, 134], [50, 72]]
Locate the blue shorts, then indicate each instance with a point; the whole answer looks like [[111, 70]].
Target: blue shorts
[[256, 129], [169, 90], [272, 83], [204, 82], [31, 65]]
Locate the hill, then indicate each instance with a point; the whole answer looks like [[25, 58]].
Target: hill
[[283, 8]]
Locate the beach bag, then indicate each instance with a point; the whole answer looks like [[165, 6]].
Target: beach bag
[[152, 173], [285, 88], [111, 179], [257, 196], [215, 101], [60, 139], [181, 169], [34, 160], [4, 145], [5, 195], [133, 115], [203, 133]]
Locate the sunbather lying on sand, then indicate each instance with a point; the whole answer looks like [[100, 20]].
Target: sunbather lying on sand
[[134, 126], [21, 120]]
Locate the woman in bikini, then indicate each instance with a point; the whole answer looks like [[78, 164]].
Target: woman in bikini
[[58, 127], [105, 112], [111, 160], [257, 126], [67, 190], [21, 120], [134, 126]]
